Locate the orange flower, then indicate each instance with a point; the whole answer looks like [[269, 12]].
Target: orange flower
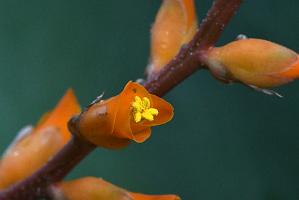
[[34, 149], [97, 189], [254, 62], [112, 123], [174, 26]]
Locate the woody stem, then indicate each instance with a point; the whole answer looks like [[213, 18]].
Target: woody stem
[[189, 60]]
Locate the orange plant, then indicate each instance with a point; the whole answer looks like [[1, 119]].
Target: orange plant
[[64, 136]]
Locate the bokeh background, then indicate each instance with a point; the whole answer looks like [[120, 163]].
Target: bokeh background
[[225, 142]]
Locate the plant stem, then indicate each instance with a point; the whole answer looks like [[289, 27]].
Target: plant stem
[[183, 65], [190, 58]]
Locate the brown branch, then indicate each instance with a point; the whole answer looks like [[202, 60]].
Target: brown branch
[[183, 65], [189, 58]]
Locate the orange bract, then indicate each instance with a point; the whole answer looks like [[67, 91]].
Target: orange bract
[[110, 123], [97, 189], [33, 150], [174, 26]]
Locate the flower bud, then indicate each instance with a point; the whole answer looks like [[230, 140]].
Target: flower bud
[[88, 188], [97, 189], [114, 122], [254, 62], [29, 154], [174, 26], [31, 151], [67, 107]]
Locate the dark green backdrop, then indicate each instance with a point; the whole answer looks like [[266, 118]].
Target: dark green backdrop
[[225, 142]]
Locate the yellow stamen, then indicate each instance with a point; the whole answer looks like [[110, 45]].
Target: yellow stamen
[[142, 109]]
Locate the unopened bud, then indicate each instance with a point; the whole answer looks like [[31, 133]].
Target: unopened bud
[[255, 62], [175, 25]]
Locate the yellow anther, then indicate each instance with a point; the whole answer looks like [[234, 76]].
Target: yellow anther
[[142, 109]]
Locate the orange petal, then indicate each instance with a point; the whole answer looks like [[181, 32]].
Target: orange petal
[[142, 135], [67, 107], [165, 111], [174, 26], [97, 124], [28, 154], [124, 115], [137, 196]]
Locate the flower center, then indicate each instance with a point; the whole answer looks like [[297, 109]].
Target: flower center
[[142, 109]]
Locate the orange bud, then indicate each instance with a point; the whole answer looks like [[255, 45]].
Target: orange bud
[[97, 189], [29, 154], [254, 62], [67, 107], [174, 26], [89, 188], [34, 149], [114, 122]]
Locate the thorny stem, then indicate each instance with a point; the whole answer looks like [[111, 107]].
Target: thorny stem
[[188, 60]]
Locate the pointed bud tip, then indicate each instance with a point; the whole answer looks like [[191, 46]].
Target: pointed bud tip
[[293, 71]]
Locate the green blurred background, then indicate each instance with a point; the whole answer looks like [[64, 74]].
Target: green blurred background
[[225, 142]]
